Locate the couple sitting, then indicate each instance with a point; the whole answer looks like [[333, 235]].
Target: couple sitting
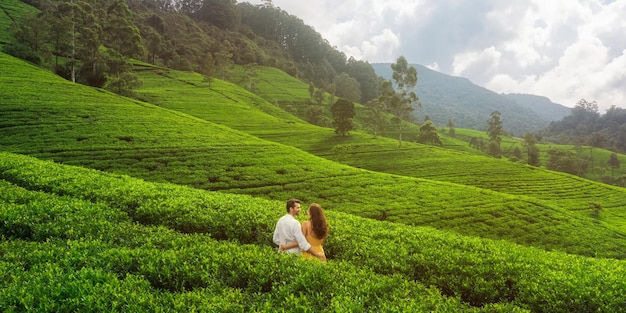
[[308, 239]]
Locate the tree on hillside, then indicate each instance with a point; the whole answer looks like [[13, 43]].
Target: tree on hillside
[[248, 80], [400, 103], [429, 134], [477, 143], [494, 130], [120, 31], [31, 39], [347, 87], [614, 162], [451, 131], [366, 76], [315, 109], [374, 116], [567, 162], [532, 151], [221, 13], [343, 113]]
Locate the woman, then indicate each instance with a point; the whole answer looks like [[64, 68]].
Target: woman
[[315, 230]]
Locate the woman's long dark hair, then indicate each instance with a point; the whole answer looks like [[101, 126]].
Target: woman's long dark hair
[[318, 221]]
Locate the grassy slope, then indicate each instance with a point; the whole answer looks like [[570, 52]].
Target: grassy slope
[[10, 12], [598, 157], [238, 109], [77, 125], [76, 240], [91, 235]]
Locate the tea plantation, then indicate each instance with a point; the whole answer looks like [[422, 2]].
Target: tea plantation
[[76, 125], [79, 239], [168, 204]]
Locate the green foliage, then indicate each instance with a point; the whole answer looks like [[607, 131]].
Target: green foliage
[[429, 134], [123, 136], [614, 162], [400, 103], [494, 130], [164, 247], [566, 161], [128, 256], [13, 12], [343, 112], [585, 125]]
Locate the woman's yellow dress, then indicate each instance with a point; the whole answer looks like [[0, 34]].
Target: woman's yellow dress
[[316, 245]]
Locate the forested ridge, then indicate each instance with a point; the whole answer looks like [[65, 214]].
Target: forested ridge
[[206, 36]]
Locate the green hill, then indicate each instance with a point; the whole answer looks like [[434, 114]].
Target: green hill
[[83, 126], [122, 229], [8, 13], [445, 97], [77, 239], [188, 94]]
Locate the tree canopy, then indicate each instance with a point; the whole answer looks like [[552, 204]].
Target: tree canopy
[[206, 36], [343, 113]]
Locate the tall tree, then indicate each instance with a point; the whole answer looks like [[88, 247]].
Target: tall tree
[[31, 37], [400, 103], [375, 118], [566, 161], [451, 130], [532, 151], [494, 130], [120, 31], [315, 110], [347, 87], [343, 113], [613, 162]]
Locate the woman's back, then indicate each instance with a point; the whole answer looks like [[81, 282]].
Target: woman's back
[[316, 243]]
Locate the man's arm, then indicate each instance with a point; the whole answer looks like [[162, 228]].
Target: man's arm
[[288, 246], [297, 233]]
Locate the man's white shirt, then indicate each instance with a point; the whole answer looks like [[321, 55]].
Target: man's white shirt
[[288, 230]]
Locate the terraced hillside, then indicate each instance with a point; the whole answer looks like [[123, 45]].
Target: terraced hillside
[[50, 118], [75, 239], [241, 110]]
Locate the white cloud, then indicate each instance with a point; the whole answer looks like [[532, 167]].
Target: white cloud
[[482, 64], [562, 49]]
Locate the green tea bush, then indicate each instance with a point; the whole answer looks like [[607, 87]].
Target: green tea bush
[[480, 272]]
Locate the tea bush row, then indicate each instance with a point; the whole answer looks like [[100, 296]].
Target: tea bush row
[[478, 271], [565, 192], [123, 267], [145, 141], [413, 160], [371, 195]]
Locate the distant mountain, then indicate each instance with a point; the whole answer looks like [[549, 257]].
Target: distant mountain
[[445, 97], [541, 105]]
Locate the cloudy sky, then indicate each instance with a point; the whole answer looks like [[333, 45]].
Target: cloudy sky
[[566, 50]]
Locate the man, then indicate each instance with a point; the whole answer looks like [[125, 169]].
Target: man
[[288, 230]]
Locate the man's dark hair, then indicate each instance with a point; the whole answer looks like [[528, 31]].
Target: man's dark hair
[[291, 203]]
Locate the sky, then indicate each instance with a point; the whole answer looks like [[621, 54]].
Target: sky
[[566, 50]]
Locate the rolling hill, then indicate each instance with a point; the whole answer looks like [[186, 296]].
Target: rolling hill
[[80, 239], [195, 137], [167, 203], [444, 97]]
